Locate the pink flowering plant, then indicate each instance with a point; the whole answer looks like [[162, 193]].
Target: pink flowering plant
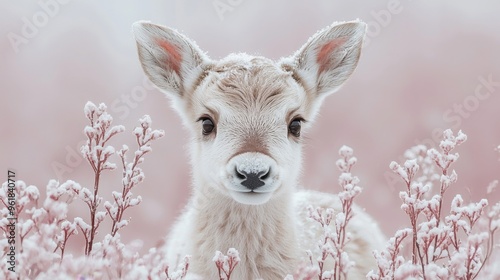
[[333, 240], [226, 263], [456, 245], [44, 225]]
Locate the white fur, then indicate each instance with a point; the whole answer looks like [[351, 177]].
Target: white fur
[[252, 101]]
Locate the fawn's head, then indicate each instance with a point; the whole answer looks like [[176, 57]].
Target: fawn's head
[[246, 113]]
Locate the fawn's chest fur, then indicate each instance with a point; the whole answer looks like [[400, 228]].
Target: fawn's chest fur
[[264, 235]]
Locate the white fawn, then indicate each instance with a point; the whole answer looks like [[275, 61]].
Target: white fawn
[[246, 115]]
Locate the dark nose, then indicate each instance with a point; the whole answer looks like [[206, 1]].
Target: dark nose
[[252, 180]]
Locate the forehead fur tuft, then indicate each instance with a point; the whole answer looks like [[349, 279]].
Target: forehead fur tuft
[[249, 79]]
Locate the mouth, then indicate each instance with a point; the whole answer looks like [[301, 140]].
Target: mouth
[[250, 197]]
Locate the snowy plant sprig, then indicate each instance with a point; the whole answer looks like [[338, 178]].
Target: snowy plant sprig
[[132, 174], [444, 159], [226, 263], [443, 247], [43, 230], [98, 133], [97, 153], [326, 243], [26, 198], [389, 261], [427, 169], [335, 235], [349, 191], [181, 270], [111, 250]]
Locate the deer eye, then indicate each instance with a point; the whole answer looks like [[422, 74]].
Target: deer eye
[[207, 126], [294, 127]]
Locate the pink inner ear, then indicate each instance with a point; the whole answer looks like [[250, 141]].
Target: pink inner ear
[[326, 51], [174, 57]]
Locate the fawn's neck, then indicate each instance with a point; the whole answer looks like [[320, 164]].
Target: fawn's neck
[[264, 234]]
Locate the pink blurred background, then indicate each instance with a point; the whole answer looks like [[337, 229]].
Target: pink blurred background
[[423, 60]]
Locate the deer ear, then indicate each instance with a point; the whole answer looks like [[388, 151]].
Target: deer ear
[[170, 60], [330, 56]]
